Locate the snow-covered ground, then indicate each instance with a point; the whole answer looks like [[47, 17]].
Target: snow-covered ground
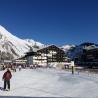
[[51, 83]]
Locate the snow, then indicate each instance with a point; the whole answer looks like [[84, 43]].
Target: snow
[[9, 42], [32, 42], [66, 48], [51, 83]]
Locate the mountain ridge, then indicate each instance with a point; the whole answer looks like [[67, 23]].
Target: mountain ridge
[[12, 47], [16, 47]]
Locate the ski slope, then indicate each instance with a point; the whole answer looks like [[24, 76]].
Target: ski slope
[[51, 83]]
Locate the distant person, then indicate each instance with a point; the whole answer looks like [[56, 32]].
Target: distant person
[[6, 77], [20, 67], [3, 67], [14, 68]]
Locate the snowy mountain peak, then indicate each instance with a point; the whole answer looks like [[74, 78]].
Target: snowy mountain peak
[[14, 46], [4, 32], [66, 48], [34, 43]]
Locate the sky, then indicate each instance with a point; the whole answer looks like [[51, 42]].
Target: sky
[[56, 22]]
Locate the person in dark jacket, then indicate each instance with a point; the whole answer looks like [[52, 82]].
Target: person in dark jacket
[[6, 77]]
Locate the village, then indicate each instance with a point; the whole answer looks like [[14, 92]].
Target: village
[[50, 56], [54, 57]]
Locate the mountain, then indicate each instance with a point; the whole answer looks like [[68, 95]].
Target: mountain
[[35, 44], [78, 50], [12, 47], [66, 48]]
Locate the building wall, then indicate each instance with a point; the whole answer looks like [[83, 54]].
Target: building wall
[[46, 56], [29, 60]]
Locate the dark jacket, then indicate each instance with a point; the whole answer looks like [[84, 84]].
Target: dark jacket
[[7, 75]]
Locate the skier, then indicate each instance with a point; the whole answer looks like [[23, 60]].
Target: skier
[[6, 77]]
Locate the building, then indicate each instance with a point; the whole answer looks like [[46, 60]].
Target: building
[[88, 58], [29, 57], [45, 56]]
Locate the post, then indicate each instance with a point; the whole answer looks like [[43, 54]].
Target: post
[[73, 69]]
